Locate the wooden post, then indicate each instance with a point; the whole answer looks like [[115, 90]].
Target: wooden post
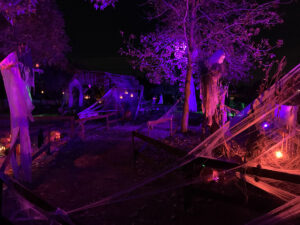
[[72, 127], [133, 150], [49, 139], [1, 194], [107, 122], [171, 126]]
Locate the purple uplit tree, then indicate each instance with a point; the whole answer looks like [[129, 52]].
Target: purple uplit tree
[[12, 8], [42, 30], [203, 27], [102, 4]]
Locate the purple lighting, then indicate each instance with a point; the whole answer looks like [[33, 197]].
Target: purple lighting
[[265, 125]]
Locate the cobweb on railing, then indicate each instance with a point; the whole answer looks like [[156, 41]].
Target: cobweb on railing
[[163, 125], [265, 134]]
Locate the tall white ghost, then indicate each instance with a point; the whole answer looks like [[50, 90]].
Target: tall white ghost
[[20, 106]]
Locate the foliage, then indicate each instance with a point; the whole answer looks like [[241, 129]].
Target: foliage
[[12, 8], [102, 4], [162, 57], [205, 26], [43, 31]]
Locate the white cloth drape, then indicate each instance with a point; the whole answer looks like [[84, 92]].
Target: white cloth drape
[[20, 106]]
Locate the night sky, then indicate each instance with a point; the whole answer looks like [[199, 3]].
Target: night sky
[[95, 35]]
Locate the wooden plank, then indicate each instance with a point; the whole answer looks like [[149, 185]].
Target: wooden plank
[[273, 174], [168, 148], [215, 163], [1, 198], [31, 197], [41, 150]]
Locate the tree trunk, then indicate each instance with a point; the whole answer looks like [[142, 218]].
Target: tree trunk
[[187, 93]]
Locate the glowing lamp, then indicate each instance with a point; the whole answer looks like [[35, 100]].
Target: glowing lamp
[[278, 154], [42, 92], [55, 136], [2, 148], [131, 95], [63, 92], [37, 65], [86, 97], [100, 102], [265, 125], [126, 92], [121, 97]]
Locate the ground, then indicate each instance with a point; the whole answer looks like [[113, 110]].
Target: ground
[[81, 172]]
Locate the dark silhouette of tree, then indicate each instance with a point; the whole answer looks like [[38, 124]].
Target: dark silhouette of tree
[[41, 27]]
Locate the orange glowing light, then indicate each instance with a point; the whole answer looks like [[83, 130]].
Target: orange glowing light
[[121, 97], [131, 95], [87, 97], [42, 92], [126, 92], [278, 154], [37, 65]]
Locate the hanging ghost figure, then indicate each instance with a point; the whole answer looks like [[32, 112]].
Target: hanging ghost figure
[[212, 92], [20, 106], [26, 65]]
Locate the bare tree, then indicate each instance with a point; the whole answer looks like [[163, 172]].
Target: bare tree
[[203, 27]]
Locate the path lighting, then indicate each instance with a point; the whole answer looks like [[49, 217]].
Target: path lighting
[[42, 92]]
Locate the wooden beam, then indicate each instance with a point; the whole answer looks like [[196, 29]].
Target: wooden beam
[[32, 198], [215, 163], [168, 148]]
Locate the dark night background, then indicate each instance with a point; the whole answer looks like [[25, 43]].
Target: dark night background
[[95, 35]]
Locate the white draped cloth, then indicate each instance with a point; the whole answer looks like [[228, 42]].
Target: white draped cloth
[[20, 106]]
